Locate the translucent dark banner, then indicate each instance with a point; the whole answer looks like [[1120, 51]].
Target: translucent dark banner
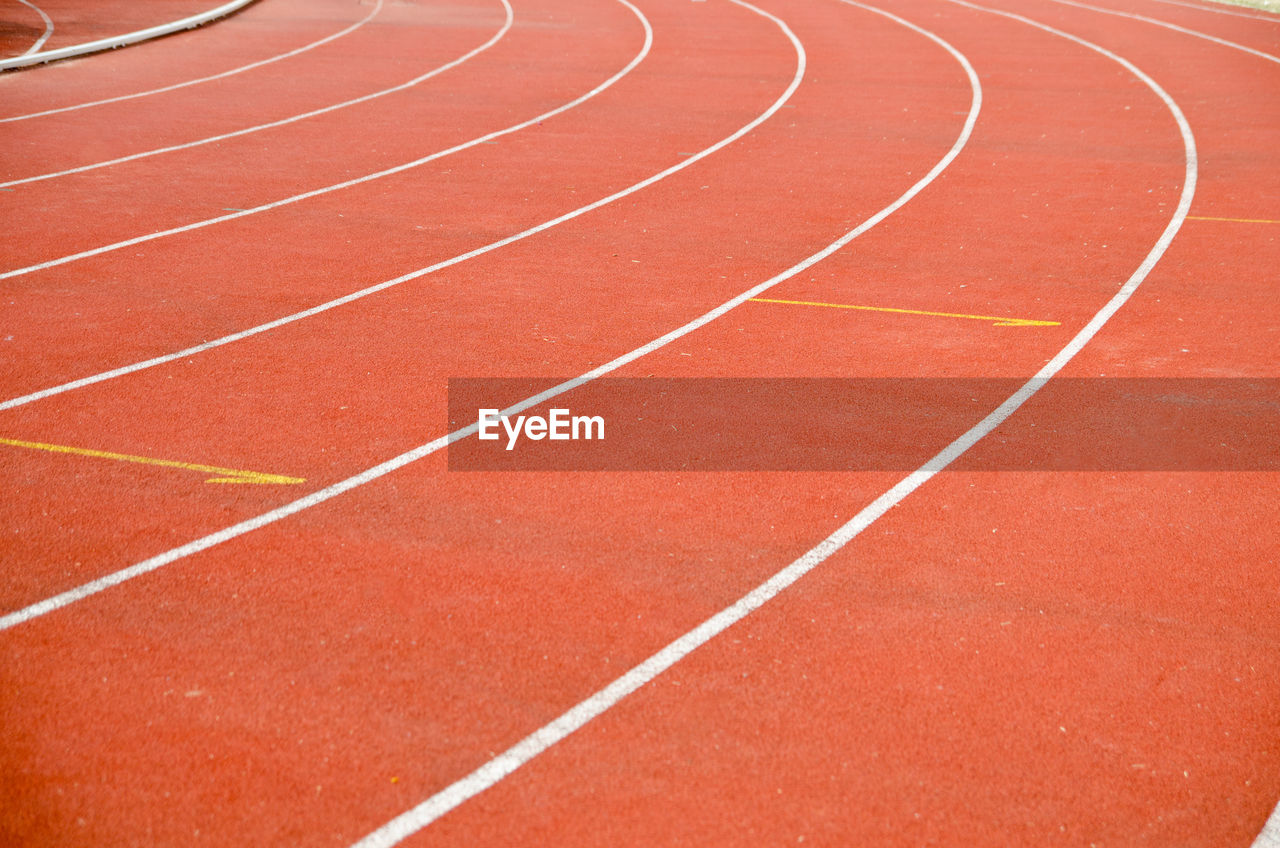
[[873, 424]]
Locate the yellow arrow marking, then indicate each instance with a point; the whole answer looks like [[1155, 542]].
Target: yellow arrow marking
[[1233, 220], [222, 475], [999, 322]]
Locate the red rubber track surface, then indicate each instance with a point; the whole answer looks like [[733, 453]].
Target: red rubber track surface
[[1004, 658], [77, 22]]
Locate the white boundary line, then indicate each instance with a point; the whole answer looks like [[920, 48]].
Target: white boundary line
[[48, 28], [397, 169], [126, 39], [540, 740], [258, 64], [283, 121], [1270, 835], [1174, 27]]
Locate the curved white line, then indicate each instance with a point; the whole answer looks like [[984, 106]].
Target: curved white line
[[1270, 835], [93, 587], [283, 121], [297, 198], [540, 740], [123, 40], [48, 28], [1175, 27], [258, 64]]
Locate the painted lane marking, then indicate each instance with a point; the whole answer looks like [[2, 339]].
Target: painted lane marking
[[221, 475], [126, 39], [506, 26], [258, 64], [1173, 27], [298, 198], [999, 322], [540, 740], [1232, 220], [48, 28], [1270, 835]]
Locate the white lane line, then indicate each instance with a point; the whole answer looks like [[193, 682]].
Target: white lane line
[[126, 39], [1270, 835], [540, 740], [1174, 27], [283, 121], [95, 586], [298, 198], [1240, 14], [48, 28], [223, 75]]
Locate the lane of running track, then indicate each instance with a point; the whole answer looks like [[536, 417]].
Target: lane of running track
[[569, 533]]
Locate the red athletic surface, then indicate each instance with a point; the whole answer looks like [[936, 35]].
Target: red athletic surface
[[1005, 658]]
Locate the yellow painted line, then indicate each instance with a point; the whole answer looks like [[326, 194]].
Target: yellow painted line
[[1233, 220], [221, 475], [999, 322]]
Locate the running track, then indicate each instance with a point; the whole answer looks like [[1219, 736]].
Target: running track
[[1067, 657]]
